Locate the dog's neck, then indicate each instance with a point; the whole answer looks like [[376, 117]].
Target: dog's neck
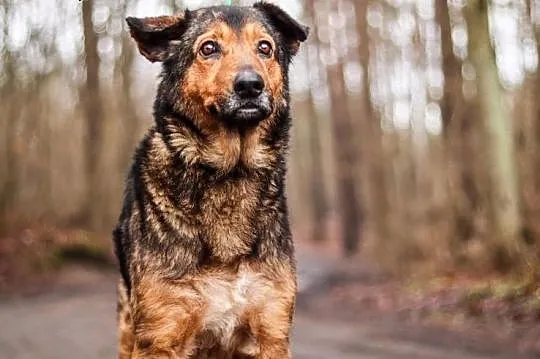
[[224, 148], [248, 166]]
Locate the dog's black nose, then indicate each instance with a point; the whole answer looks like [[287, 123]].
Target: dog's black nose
[[248, 84]]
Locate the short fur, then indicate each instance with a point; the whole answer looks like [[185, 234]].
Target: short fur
[[203, 240]]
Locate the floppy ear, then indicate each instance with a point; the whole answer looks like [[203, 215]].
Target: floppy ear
[[154, 34], [293, 31]]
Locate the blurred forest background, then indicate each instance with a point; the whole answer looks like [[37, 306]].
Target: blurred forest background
[[416, 135]]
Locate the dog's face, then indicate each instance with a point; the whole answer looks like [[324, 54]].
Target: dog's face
[[226, 64]]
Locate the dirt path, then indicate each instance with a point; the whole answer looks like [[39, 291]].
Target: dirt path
[[77, 321]]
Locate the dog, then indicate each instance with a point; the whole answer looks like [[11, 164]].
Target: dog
[[203, 240]]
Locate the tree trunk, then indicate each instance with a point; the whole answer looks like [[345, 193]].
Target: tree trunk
[[370, 126], [8, 192], [535, 127], [532, 89], [93, 111], [8, 189], [346, 161], [128, 115], [458, 141], [497, 125], [316, 174], [176, 6]]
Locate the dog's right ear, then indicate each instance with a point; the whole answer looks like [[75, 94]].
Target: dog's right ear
[[154, 34]]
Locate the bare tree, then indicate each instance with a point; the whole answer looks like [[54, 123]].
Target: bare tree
[[9, 185], [458, 139], [93, 110], [370, 125], [128, 115], [497, 126], [347, 157], [316, 176]]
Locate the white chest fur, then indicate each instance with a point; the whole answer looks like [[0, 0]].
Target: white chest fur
[[229, 298]]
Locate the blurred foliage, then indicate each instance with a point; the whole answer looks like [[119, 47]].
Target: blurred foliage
[[416, 128]]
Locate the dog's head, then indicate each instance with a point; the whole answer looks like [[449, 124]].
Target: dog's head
[[227, 64]]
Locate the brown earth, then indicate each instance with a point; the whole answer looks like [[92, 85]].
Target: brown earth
[[75, 318]]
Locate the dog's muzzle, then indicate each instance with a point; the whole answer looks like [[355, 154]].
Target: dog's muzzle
[[249, 103]]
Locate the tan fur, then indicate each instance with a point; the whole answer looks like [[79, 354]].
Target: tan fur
[[161, 22], [125, 324], [205, 242], [228, 208], [244, 309], [208, 80]]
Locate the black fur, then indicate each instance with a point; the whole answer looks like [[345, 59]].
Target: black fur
[[164, 196]]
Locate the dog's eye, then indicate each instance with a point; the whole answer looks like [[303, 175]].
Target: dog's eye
[[265, 48], [209, 48]]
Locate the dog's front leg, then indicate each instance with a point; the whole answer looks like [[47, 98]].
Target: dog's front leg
[[273, 336], [275, 350], [124, 323], [271, 322], [166, 320]]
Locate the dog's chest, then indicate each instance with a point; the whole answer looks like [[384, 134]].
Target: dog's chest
[[227, 201], [231, 298], [227, 215]]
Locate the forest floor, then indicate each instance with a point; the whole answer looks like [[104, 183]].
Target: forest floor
[[75, 316]]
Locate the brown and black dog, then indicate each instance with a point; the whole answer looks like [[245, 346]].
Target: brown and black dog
[[203, 240]]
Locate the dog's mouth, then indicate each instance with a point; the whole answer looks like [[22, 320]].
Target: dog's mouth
[[241, 112], [250, 111]]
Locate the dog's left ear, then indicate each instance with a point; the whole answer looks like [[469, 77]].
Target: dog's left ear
[[293, 31], [154, 34]]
